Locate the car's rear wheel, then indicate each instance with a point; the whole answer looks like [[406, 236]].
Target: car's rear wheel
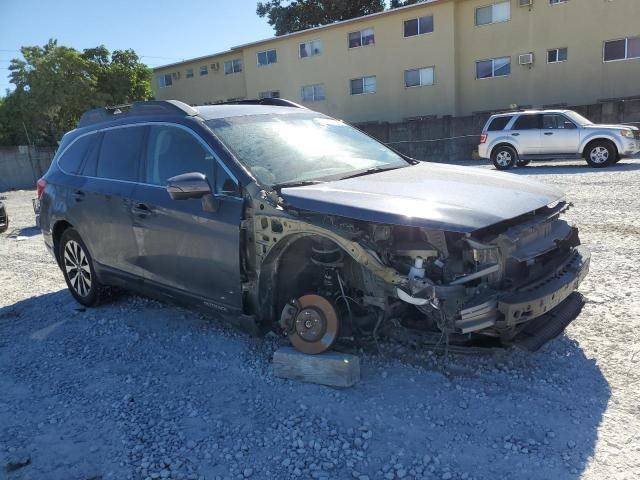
[[523, 163], [77, 267], [504, 157], [600, 154]]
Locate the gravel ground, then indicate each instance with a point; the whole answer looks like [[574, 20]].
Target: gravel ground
[[137, 389]]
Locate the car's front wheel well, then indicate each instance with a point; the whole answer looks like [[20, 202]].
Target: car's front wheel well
[[58, 229], [596, 141]]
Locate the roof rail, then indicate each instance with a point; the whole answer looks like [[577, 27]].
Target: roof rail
[[136, 109], [273, 102]]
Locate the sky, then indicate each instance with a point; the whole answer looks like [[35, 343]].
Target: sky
[[160, 31]]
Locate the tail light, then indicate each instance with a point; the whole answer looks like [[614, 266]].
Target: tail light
[[483, 138], [40, 186]]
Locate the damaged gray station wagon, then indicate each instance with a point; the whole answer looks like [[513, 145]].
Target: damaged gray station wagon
[[284, 219]]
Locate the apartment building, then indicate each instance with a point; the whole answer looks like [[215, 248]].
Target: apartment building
[[444, 57]]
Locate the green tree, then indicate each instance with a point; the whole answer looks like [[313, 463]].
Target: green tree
[[295, 15], [404, 3], [55, 84]]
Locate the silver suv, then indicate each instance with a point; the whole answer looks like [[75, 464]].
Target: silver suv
[[516, 138]]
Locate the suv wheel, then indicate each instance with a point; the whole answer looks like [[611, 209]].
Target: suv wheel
[[601, 154], [504, 157], [78, 270]]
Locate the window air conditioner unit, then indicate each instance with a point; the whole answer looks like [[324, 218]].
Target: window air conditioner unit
[[526, 3], [525, 59]]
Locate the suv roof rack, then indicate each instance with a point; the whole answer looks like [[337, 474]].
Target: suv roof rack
[[273, 102], [136, 109]]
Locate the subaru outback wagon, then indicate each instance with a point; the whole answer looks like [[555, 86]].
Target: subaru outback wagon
[[516, 138], [281, 218]]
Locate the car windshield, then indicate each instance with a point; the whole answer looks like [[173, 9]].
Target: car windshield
[[301, 147], [577, 118]]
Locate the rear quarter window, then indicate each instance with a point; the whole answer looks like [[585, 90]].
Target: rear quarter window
[[71, 160], [498, 123]]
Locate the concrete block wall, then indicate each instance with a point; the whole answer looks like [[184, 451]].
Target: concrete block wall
[[21, 167], [446, 139]]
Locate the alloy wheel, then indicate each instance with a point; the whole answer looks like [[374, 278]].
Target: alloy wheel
[[76, 265], [504, 158], [599, 155]]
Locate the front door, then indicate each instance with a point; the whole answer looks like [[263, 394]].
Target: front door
[[559, 135], [181, 245]]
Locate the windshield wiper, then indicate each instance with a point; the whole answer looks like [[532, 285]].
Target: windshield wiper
[[369, 171], [295, 183]]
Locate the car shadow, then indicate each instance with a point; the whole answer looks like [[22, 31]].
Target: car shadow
[[572, 168], [481, 415], [24, 232]]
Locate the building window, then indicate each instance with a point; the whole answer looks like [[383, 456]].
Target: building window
[[269, 94], [267, 57], [495, 67], [419, 77], [189, 73], [310, 49], [232, 66], [498, 12], [418, 26], [363, 38], [313, 93], [360, 86], [557, 55], [623, 49], [165, 80], [556, 2], [204, 70]]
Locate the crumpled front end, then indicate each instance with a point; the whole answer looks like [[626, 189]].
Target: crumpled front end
[[496, 282]]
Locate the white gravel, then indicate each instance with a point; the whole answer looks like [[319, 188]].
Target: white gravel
[[136, 389]]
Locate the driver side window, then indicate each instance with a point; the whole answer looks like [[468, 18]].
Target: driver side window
[[173, 151]]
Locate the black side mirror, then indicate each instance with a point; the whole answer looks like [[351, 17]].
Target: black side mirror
[[188, 185]]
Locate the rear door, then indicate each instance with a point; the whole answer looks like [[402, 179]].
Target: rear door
[[526, 133], [104, 197], [559, 135], [180, 244]]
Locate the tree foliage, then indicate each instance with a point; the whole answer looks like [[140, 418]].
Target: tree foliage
[[55, 84], [294, 15], [404, 3]]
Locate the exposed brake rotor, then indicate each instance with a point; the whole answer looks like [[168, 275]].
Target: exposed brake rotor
[[311, 322]]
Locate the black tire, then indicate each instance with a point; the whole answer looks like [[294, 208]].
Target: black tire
[[618, 158], [504, 157], [600, 154], [522, 163], [75, 259]]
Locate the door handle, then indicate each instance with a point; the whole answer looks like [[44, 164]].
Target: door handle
[[548, 133], [78, 195], [515, 134], [141, 210]]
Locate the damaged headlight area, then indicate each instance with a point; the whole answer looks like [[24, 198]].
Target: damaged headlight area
[[513, 283]]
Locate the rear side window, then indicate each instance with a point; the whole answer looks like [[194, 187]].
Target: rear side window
[[120, 153], [498, 123], [172, 151], [71, 159], [527, 122]]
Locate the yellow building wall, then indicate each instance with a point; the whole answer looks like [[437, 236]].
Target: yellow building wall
[[453, 49], [580, 25]]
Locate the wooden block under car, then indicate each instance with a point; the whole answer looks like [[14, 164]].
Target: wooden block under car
[[334, 369]]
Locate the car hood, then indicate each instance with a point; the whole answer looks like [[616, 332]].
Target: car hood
[[616, 127], [435, 196]]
